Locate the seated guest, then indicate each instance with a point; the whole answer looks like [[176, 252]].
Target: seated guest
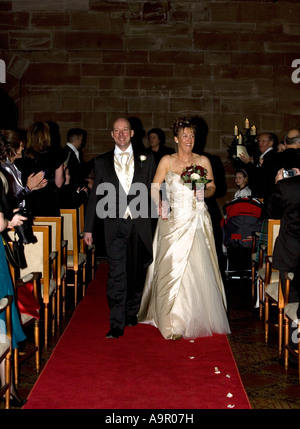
[[157, 140]]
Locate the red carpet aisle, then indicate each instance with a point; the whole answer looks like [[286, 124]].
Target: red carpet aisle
[[140, 370]]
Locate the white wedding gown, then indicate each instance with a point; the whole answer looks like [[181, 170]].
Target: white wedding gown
[[184, 293]]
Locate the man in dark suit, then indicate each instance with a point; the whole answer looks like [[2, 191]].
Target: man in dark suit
[[262, 172], [122, 176], [290, 157], [284, 204], [75, 190], [73, 157]]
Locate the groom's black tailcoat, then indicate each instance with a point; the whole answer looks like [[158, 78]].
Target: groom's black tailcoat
[[127, 269]]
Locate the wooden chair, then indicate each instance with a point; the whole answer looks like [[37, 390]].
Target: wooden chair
[[274, 298], [266, 274], [39, 259], [255, 265], [6, 348], [57, 245], [88, 250], [291, 318], [76, 260], [27, 320]]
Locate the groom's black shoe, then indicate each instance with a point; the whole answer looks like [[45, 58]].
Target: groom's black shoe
[[131, 321], [114, 333]]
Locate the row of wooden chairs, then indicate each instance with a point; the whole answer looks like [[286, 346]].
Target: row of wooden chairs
[[54, 261], [6, 348], [267, 277], [274, 293]]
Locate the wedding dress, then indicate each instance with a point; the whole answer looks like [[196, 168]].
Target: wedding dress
[[184, 293]]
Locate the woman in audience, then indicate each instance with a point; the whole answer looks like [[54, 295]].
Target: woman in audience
[[17, 191], [41, 156], [70, 196], [157, 139], [8, 220]]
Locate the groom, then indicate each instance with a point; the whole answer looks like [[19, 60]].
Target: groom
[[119, 175]]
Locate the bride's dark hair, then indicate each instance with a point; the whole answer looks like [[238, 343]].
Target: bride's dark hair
[[181, 123]]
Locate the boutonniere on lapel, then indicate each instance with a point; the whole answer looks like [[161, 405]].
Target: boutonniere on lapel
[[142, 159]]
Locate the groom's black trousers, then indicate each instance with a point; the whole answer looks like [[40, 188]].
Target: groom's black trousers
[[126, 274]]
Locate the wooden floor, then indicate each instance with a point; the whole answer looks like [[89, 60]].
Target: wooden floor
[[266, 382]]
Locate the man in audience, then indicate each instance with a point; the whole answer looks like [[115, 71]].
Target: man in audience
[[75, 190], [284, 204], [262, 173], [290, 157], [73, 157]]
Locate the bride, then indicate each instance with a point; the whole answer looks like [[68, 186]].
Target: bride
[[184, 294]]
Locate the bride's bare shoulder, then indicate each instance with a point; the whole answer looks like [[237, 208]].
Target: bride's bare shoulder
[[167, 160], [202, 159]]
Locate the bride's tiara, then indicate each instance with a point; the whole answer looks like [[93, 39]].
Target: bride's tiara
[[182, 123]]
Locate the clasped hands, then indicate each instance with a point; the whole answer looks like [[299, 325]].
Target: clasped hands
[[36, 181]]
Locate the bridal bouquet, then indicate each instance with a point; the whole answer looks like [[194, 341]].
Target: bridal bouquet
[[194, 174]]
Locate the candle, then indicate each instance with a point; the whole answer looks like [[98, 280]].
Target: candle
[[235, 130], [240, 139], [246, 123], [253, 130]]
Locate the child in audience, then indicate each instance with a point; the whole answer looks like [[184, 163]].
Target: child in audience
[[241, 179]]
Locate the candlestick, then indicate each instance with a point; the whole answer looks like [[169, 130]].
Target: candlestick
[[236, 130], [246, 123]]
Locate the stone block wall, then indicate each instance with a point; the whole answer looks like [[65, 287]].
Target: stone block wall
[[85, 62]]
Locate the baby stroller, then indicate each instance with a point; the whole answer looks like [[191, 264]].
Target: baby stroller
[[242, 217]]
